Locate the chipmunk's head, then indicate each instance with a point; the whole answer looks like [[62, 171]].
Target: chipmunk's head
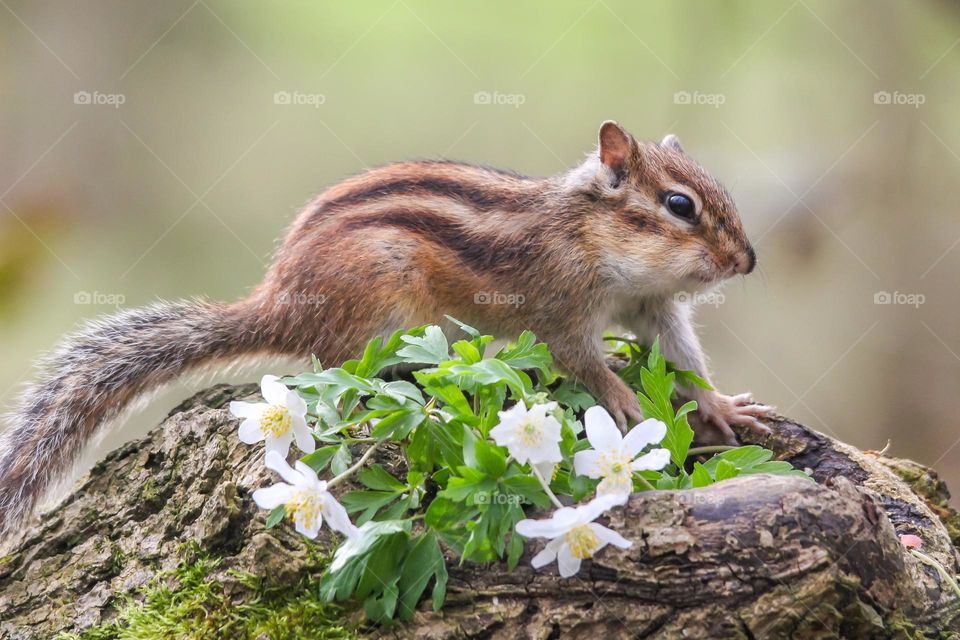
[[664, 221]]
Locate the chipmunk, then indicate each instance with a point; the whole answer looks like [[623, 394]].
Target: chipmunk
[[611, 241]]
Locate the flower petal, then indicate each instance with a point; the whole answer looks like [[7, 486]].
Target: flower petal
[[250, 432], [310, 532], [602, 431], [551, 428], [302, 435], [568, 563], [620, 484], [596, 507], [650, 431], [558, 524], [514, 414], [247, 409], [309, 475], [272, 391], [545, 469], [276, 462], [609, 536], [547, 555], [337, 517], [296, 404], [585, 463], [280, 444], [654, 461], [274, 496], [546, 452], [502, 434], [537, 413]]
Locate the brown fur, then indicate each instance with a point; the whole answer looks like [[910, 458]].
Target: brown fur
[[406, 244]]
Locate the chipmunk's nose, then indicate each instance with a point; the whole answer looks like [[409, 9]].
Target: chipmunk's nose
[[746, 261]]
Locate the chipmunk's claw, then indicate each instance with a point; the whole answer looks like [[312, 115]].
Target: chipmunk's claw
[[721, 411]]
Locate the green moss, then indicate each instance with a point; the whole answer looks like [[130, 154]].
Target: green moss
[[150, 491], [187, 603]]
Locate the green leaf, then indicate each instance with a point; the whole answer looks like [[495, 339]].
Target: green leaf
[[725, 470], [399, 424], [527, 353], [491, 458], [401, 391], [528, 488], [424, 560], [574, 395], [431, 348], [467, 329], [343, 379], [369, 534], [319, 459], [752, 459], [369, 502], [492, 371], [700, 476], [275, 516], [378, 478], [450, 394], [341, 460], [678, 439], [435, 445], [514, 551]]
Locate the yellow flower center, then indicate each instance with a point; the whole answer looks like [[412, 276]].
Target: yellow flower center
[[530, 434], [583, 541], [276, 420], [615, 465], [616, 472], [305, 508]]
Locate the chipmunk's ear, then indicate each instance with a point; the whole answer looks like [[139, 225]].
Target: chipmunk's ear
[[616, 148], [671, 141]]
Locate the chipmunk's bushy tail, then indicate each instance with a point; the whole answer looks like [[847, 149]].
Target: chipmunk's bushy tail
[[93, 376]]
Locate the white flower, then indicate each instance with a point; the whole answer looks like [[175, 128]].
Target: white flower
[[305, 499], [530, 436], [573, 534], [279, 420], [612, 456]]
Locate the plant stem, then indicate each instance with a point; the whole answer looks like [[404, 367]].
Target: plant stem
[[944, 574], [546, 487], [719, 448], [646, 483], [356, 467]]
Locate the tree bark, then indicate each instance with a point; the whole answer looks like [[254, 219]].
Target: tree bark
[[752, 557]]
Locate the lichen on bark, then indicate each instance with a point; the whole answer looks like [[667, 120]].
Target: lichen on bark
[[166, 525]]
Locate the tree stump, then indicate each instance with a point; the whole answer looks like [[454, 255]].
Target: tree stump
[[753, 557]]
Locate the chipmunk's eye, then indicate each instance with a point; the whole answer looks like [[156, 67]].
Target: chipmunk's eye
[[681, 206]]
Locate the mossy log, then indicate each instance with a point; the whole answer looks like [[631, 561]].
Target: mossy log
[[752, 557]]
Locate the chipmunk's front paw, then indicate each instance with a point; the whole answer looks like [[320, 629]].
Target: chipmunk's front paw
[[719, 411], [623, 406]]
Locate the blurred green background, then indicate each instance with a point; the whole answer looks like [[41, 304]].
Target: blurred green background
[[159, 149]]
